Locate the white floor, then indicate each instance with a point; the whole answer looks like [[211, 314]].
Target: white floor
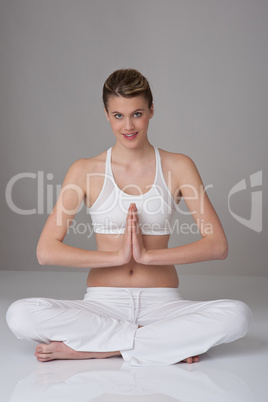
[[229, 373]]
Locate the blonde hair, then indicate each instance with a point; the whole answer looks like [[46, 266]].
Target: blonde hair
[[127, 83]]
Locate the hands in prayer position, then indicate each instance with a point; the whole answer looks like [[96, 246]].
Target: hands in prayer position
[[132, 244]]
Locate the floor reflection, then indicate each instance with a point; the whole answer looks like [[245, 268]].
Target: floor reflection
[[82, 381]]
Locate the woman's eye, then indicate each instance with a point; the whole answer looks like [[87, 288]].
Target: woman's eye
[[118, 116], [138, 114]]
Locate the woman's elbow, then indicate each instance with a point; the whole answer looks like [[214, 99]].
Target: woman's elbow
[[42, 254], [41, 258], [222, 250]]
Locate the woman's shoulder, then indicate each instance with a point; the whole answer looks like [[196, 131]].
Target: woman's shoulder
[[175, 160], [181, 167], [95, 164], [81, 169]]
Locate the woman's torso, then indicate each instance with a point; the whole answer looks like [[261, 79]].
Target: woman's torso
[[131, 274]]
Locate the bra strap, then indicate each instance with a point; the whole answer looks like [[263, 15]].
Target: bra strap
[[108, 167], [158, 164]]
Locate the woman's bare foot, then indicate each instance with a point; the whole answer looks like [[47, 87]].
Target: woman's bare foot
[[59, 351], [190, 360]]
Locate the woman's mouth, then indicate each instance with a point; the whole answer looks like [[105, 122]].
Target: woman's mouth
[[130, 136]]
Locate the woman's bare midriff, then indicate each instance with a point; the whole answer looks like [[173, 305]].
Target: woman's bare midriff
[[133, 274]]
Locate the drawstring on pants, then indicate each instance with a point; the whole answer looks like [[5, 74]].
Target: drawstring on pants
[[134, 311]]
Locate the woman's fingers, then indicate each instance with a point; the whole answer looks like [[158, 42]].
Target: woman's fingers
[[137, 239], [134, 214], [125, 251], [133, 235], [135, 222], [129, 221]]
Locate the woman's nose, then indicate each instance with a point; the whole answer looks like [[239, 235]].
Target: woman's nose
[[129, 124]]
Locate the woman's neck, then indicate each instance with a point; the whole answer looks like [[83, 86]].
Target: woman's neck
[[129, 155]]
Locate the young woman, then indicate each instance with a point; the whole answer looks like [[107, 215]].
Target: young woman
[[132, 306]]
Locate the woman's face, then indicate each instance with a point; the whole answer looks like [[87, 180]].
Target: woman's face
[[129, 119]]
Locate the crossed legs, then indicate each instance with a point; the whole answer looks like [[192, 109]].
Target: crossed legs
[[70, 330]]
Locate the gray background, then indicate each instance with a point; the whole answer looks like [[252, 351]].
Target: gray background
[[207, 65]]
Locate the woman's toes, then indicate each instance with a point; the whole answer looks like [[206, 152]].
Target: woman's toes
[[43, 360], [190, 360], [44, 353], [42, 348]]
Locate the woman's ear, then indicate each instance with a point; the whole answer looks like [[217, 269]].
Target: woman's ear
[[106, 114], [152, 111]]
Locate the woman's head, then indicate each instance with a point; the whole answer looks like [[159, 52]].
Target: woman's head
[[127, 83]]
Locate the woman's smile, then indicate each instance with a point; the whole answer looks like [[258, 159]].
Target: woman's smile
[[130, 136]]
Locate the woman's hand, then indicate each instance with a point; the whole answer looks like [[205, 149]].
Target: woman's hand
[[125, 251], [138, 249]]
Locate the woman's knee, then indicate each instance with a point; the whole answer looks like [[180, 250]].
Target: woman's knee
[[18, 317], [241, 318]]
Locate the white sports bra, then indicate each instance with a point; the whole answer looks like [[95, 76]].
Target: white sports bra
[[156, 208]]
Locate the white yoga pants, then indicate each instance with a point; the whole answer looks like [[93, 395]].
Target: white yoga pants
[[107, 319]]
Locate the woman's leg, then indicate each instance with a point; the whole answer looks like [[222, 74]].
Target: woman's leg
[[80, 325], [179, 329], [172, 330]]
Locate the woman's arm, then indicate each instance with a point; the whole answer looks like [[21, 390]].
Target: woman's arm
[[213, 244], [52, 251]]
